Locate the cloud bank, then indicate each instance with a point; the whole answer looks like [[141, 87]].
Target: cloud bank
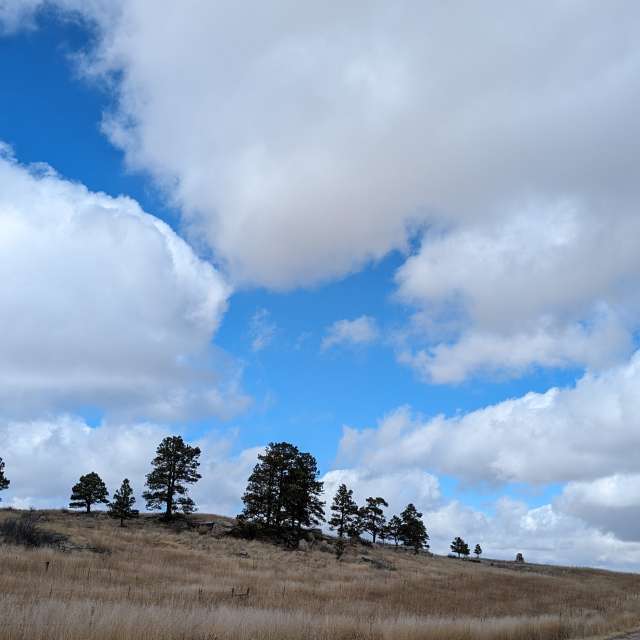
[[104, 306]]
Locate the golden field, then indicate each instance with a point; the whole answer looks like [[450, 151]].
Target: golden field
[[149, 581]]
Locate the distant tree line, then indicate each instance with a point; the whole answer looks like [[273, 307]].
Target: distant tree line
[[283, 497]]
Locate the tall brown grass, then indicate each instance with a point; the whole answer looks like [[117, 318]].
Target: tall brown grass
[[159, 584]]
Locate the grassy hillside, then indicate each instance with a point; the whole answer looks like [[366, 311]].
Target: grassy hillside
[[149, 581]]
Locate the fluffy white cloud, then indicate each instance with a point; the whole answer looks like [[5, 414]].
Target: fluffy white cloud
[[398, 487], [307, 140], [360, 331], [551, 287], [104, 306], [563, 435], [542, 534], [44, 458], [611, 503]]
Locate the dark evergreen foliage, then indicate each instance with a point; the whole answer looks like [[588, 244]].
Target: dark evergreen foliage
[[478, 551], [174, 467], [392, 530], [372, 517], [413, 533], [460, 547], [345, 517], [89, 490], [283, 491], [121, 507]]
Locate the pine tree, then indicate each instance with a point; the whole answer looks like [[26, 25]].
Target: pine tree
[[372, 515], [122, 504], [393, 528], [466, 551], [174, 467], [413, 533], [478, 551], [4, 481], [345, 512], [302, 502], [283, 491], [459, 546], [89, 490]]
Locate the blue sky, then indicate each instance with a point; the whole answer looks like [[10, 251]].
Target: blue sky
[[480, 252]]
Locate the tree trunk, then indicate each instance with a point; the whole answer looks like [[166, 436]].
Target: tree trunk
[[122, 522], [88, 507]]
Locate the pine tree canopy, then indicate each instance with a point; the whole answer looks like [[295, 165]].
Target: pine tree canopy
[[392, 530], [283, 490], [372, 516], [413, 533], [174, 467], [478, 550], [345, 513], [89, 490], [460, 547], [121, 507]]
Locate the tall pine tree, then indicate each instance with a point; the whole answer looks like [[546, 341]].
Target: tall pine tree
[[372, 516], [89, 490], [393, 529], [121, 507], [283, 491], [345, 512], [4, 481], [413, 533], [174, 467], [478, 551], [459, 546]]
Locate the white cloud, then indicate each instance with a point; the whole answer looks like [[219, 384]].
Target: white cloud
[[563, 435], [398, 487], [318, 138], [360, 331], [554, 287], [541, 534], [314, 137], [44, 458], [262, 330], [104, 305]]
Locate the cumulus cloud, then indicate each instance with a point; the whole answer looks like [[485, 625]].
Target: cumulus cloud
[[103, 305], [316, 137], [526, 291], [542, 534], [360, 331], [44, 458], [572, 434]]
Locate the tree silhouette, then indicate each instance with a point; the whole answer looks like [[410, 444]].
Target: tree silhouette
[[174, 467], [372, 516], [283, 490], [89, 490], [478, 551], [393, 528], [460, 547], [413, 533], [345, 512], [4, 481], [122, 504]]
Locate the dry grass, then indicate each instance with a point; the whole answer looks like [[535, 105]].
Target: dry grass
[[159, 584]]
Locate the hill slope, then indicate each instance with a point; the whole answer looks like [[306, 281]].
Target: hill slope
[[149, 581]]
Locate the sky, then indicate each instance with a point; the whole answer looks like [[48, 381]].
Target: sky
[[402, 236]]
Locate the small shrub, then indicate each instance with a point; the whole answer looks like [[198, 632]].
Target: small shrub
[[24, 531]]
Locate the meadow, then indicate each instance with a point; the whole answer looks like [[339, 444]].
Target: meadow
[[150, 581]]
